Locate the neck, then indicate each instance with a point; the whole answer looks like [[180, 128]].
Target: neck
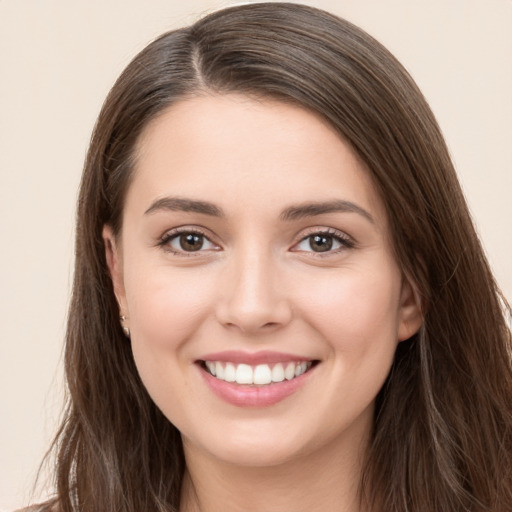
[[327, 479]]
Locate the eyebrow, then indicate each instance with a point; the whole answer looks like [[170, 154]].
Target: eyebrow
[[294, 212], [319, 208], [184, 205]]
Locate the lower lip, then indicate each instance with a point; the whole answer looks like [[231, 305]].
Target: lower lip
[[254, 396]]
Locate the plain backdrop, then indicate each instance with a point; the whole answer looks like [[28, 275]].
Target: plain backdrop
[[58, 59]]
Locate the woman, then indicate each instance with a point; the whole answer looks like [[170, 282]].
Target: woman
[[280, 301]]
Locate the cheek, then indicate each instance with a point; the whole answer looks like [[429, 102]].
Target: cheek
[[166, 309], [167, 304], [356, 316], [356, 310]]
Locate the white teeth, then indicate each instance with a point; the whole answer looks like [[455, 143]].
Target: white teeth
[[244, 374], [278, 373], [211, 367], [301, 368], [262, 374], [259, 375], [230, 373], [219, 371], [289, 371]]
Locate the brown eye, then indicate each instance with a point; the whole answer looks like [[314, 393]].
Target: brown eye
[[324, 242], [191, 242], [321, 243], [188, 242]]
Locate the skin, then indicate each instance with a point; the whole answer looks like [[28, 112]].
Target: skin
[[258, 284]]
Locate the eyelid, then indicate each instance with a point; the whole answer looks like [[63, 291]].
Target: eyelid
[[346, 241], [170, 234]]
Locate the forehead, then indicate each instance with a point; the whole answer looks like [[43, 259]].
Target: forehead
[[232, 147]]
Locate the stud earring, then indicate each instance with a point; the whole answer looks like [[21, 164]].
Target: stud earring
[[126, 329]]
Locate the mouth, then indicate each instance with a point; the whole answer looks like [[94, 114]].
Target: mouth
[[256, 375], [258, 379]]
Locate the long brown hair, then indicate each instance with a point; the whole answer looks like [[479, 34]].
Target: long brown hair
[[443, 425]]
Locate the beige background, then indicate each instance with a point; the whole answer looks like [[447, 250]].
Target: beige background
[[58, 59]]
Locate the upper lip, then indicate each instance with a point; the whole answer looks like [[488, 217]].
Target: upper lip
[[253, 358]]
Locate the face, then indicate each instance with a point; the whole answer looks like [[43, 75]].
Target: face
[[257, 277]]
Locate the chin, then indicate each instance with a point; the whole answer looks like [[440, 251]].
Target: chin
[[257, 454], [261, 443]]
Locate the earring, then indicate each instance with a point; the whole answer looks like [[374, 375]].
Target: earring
[[126, 329]]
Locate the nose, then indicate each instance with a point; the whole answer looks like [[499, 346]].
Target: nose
[[254, 298]]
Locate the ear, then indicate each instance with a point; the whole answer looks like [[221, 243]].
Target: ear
[[411, 312], [115, 267]]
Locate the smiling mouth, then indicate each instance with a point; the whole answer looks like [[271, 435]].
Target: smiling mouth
[[256, 375]]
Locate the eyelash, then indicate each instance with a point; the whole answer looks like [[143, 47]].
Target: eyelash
[[175, 233], [343, 239]]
